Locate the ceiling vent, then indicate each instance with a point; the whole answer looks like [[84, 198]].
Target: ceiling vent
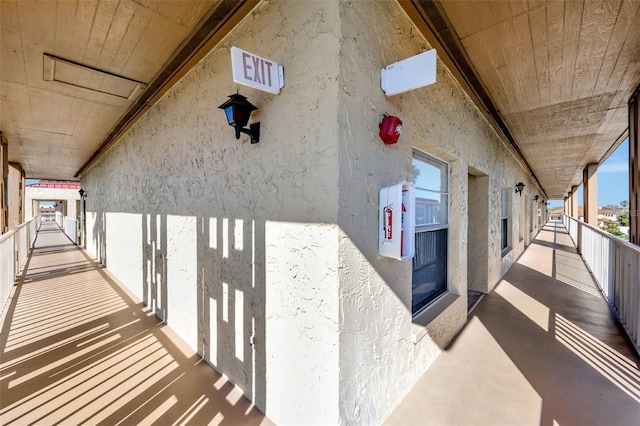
[[73, 74]]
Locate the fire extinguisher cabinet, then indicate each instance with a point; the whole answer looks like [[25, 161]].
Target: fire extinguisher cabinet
[[397, 222]]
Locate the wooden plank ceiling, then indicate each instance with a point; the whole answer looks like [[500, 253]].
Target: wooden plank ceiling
[[56, 115], [555, 76]]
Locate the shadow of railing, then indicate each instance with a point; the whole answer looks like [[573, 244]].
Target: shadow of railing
[[79, 349], [560, 334]]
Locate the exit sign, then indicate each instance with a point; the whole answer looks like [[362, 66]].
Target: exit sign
[[255, 71]]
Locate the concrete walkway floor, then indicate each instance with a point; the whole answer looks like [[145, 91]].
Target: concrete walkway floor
[[541, 349], [76, 348]]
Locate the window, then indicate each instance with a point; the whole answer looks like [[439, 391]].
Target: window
[[429, 278], [504, 218]]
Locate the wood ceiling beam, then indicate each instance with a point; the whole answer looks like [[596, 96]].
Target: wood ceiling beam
[[216, 24], [435, 26]]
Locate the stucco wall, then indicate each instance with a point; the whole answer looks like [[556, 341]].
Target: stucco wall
[[264, 257], [4, 174], [15, 201], [233, 244], [382, 352]]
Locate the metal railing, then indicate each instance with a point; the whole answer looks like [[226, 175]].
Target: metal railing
[[14, 250], [71, 229], [60, 219], [615, 264], [69, 226], [557, 217]]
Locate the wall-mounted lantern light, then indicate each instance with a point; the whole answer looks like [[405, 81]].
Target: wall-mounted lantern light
[[519, 188], [536, 198], [83, 193], [237, 110]]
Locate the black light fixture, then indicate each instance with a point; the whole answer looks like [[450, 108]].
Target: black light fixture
[[238, 110], [82, 193], [519, 188], [535, 198]]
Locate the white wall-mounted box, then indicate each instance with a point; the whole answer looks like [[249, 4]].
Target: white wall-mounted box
[[408, 74], [396, 221]]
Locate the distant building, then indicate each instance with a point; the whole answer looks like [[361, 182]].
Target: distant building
[[55, 184], [607, 214], [64, 193], [47, 214]]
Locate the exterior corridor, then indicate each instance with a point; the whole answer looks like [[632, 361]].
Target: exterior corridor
[[541, 349], [76, 348]]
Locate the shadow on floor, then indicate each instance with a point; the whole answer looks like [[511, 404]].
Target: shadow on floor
[[542, 348], [77, 348]]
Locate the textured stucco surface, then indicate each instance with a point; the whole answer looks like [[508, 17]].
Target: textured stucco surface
[[234, 244], [14, 199], [478, 231], [378, 361], [264, 257]]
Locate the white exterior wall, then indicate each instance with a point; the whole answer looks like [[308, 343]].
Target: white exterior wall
[[71, 196], [382, 352], [4, 175], [264, 257], [234, 244], [15, 201]]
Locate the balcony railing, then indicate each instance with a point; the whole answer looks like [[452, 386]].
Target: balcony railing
[[69, 226], [71, 229], [14, 250], [60, 219], [615, 264], [554, 216]]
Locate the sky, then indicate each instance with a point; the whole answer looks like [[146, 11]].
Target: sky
[[613, 179]]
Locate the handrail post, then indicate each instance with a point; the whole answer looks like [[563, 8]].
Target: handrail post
[[579, 242], [16, 255]]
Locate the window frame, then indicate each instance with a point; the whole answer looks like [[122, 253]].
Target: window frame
[[445, 190]]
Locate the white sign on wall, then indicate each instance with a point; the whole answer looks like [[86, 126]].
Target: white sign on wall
[[256, 71], [408, 74]]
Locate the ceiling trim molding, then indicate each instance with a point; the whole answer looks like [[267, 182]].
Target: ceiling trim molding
[[217, 23], [435, 26]]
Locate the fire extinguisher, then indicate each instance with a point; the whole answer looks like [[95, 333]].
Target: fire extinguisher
[[404, 209], [388, 222]]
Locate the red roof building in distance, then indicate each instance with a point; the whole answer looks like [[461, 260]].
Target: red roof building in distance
[[55, 184]]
